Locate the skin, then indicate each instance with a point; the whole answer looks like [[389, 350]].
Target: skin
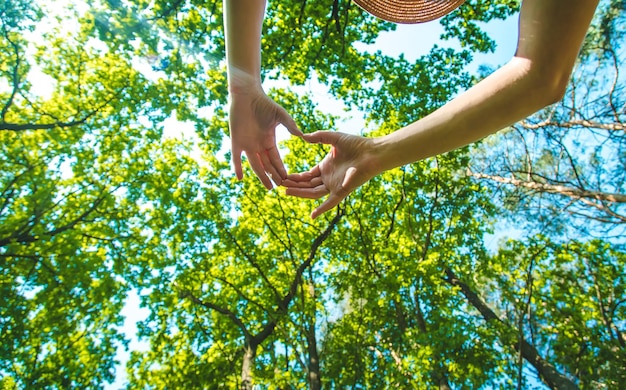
[[551, 33], [253, 115]]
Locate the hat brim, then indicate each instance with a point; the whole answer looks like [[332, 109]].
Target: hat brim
[[409, 11]]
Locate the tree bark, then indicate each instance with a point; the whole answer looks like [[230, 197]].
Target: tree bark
[[249, 353], [315, 379]]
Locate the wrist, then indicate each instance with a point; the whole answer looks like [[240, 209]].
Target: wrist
[[243, 83], [245, 89], [383, 156]]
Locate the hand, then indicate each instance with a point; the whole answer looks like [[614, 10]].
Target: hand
[[253, 120], [350, 163]]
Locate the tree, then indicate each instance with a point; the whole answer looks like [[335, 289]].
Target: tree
[[397, 288], [564, 190], [67, 214]]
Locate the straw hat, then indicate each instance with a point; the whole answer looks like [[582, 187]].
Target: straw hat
[[409, 11]]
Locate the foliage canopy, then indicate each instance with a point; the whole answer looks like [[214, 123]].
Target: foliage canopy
[[397, 288]]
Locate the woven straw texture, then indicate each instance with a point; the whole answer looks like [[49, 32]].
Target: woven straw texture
[[409, 11]]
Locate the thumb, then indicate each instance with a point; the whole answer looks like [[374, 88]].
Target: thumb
[[286, 120], [347, 179], [322, 137], [332, 201]]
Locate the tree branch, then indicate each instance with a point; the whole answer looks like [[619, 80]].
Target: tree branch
[[555, 189], [184, 293], [314, 247], [574, 123], [24, 236], [252, 262], [58, 124], [548, 373]]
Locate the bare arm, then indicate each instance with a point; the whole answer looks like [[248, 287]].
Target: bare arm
[[243, 20], [253, 115], [550, 35]]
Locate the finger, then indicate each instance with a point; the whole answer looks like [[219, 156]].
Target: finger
[[236, 159], [322, 137], [257, 167], [350, 174], [309, 193], [306, 176], [316, 181], [331, 202], [287, 121], [269, 168], [277, 163]]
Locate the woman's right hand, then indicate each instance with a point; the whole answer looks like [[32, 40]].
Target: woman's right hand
[[350, 163]]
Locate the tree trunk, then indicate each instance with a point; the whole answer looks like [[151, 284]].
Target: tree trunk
[[315, 379], [443, 383], [249, 353]]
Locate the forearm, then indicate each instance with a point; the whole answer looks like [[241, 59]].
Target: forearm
[[505, 97], [243, 21]]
